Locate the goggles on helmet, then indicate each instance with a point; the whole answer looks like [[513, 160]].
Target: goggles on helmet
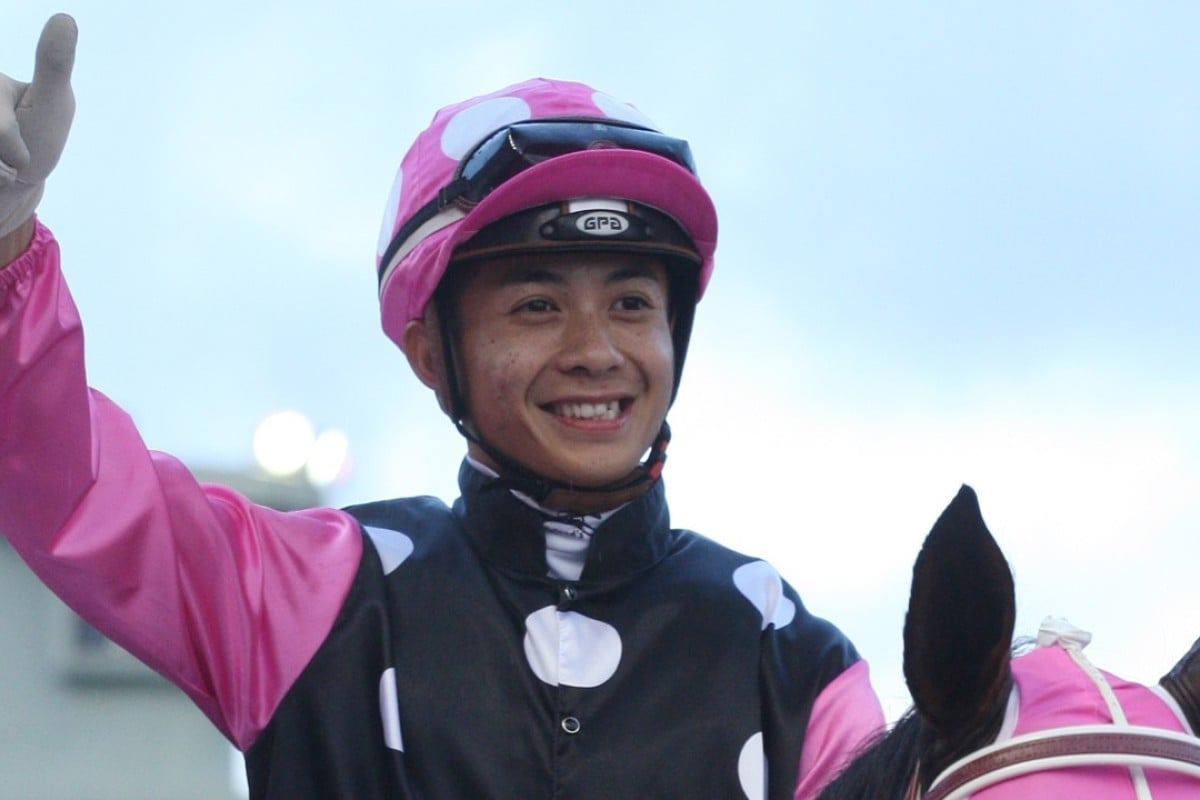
[[511, 150]]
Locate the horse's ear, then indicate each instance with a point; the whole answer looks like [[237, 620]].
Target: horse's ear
[[959, 626], [1183, 683]]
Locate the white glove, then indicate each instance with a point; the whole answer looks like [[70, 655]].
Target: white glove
[[34, 120]]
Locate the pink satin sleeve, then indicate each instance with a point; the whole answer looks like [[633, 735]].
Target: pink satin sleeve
[[227, 599], [846, 714]]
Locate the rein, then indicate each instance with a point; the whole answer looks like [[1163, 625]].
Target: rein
[[1076, 746]]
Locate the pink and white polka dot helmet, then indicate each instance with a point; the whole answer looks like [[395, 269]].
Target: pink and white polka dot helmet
[[411, 265]]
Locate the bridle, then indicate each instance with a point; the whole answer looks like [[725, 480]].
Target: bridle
[[1132, 746], [1116, 744]]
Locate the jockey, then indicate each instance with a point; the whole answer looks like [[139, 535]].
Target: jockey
[[546, 635]]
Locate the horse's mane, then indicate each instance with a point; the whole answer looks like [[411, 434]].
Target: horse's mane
[[883, 768]]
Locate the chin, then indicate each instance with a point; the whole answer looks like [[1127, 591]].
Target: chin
[[592, 477]]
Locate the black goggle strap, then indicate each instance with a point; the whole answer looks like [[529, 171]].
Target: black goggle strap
[[509, 151]]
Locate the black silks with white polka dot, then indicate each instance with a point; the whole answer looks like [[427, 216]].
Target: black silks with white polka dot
[[674, 667]]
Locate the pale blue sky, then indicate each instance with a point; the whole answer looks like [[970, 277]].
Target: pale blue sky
[[958, 245]]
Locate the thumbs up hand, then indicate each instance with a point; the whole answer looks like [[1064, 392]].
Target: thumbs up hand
[[35, 118]]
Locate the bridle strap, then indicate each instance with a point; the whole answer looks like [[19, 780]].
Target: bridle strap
[[1083, 745]]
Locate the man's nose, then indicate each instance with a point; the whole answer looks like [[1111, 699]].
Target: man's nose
[[589, 343]]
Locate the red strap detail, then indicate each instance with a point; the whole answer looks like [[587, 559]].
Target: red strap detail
[[1116, 743]]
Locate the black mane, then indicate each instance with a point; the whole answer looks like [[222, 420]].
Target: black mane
[[883, 769]]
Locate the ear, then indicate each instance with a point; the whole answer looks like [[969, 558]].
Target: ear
[[423, 348], [1183, 683], [959, 626]]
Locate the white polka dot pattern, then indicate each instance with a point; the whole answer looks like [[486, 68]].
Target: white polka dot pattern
[[407, 284], [470, 125], [760, 583], [752, 768], [388, 227], [393, 547], [614, 108], [389, 710], [566, 648]]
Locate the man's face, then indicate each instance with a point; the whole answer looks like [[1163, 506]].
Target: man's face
[[567, 361]]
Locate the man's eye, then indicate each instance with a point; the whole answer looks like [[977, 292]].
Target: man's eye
[[536, 305], [632, 303]]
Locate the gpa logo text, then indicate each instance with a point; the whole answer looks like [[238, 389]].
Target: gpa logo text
[[602, 223]]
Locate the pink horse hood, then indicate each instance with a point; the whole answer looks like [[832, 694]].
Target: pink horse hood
[[1054, 688]]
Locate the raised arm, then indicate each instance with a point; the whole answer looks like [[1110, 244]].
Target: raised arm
[[226, 598]]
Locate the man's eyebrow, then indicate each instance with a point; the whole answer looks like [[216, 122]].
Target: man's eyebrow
[[634, 271], [530, 274]]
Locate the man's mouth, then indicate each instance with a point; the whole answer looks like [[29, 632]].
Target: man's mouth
[[608, 410]]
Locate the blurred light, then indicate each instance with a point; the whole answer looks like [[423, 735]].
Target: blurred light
[[327, 460], [282, 442]]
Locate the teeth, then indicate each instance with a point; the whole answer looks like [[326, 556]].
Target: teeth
[[588, 410]]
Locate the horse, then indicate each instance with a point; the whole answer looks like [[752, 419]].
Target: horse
[[996, 720]]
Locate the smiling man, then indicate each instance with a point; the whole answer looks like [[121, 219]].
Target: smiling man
[[549, 635], [566, 362]]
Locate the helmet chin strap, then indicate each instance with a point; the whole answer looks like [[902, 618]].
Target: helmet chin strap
[[557, 496]]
